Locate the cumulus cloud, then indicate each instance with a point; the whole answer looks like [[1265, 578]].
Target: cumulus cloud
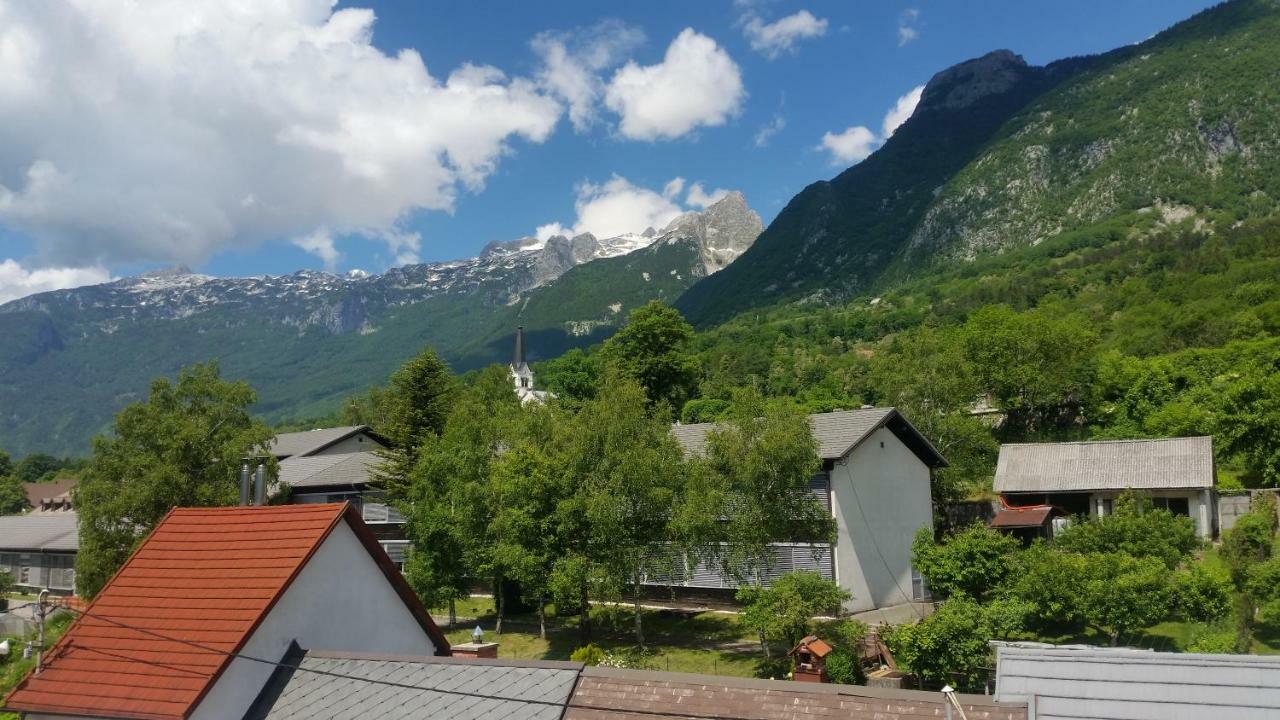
[[618, 206], [900, 111], [320, 243], [697, 84], [573, 61], [780, 36], [165, 132], [906, 26], [852, 145], [855, 143], [17, 281]]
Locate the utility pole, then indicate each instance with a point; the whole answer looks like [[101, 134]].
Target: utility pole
[[41, 599]]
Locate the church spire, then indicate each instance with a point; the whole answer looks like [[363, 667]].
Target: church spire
[[517, 358]]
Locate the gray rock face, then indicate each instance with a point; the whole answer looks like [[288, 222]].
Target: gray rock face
[[964, 84], [722, 232]]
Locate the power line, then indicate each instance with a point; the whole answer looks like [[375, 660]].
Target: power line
[[387, 683]]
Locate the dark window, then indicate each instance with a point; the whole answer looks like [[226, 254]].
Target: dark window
[[1108, 506], [1176, 505]]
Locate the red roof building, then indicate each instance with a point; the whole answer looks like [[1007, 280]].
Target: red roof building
[[172, 634]]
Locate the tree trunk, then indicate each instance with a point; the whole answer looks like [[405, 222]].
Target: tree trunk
[[453, 613], [635, 594], [497, 599], [584, 620], [764, 645], [542, 618]]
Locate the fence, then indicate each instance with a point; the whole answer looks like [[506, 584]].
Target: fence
[[1231, 507]]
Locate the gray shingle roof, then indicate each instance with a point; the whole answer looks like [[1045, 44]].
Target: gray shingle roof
[[295, 444], [40, 531], [1106, 465], [405, 689], [837, 433], [325, 470], [1077, 683]]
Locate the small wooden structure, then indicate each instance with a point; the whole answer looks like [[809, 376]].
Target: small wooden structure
[[811, 659]]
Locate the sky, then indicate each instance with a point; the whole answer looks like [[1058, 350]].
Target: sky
[[248, 138]]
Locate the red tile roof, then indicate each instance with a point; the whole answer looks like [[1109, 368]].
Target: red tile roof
[[1020, 518], [204, 577]]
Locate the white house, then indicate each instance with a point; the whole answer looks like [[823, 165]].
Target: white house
[[875, 480], [1085, 478], [173, 633]]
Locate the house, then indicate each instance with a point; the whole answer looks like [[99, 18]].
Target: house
[[38, 550], [326, 441], [54, 496], [1085, 478], [190, 624], [522, 374], [1080, 682], [347, 477], [875, 481]]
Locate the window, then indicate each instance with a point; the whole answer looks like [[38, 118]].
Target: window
[[62, 571], [1176, 505], [397, 550], [1108, 506]]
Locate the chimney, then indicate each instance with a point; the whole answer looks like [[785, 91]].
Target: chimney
[[244, 483], [517, 358], [477, 648], [260, 490]]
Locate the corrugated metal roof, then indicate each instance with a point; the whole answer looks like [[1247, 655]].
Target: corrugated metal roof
[[295, 444], [837, 433], [40, 531], [326, 470], [1074, 683], [204, 575], [1106, 465], [1016, 518], [307, 695]]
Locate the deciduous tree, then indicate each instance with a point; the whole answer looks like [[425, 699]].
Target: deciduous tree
[[651, 348]]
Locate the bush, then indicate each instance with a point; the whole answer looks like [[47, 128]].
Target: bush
[[973, 562], [1136, 528], [784, 610], [1202, 593], [843, 667], [774, 668], [949, 646], [634, 658], [1246, 544], [1212, 640], [589, 654]]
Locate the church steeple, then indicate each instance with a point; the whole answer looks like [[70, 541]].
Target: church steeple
[[517, 358]]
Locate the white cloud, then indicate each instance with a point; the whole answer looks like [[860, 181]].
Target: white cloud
[[17, 281], [769, 129], [573, 61], [320, 244], [696, 84], [780, 36], [165, 132], [701, 199], [906, 26], [900, 111], [618, 206], [856, 142]]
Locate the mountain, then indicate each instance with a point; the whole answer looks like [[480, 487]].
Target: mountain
[[1000, 155], [306, 341]]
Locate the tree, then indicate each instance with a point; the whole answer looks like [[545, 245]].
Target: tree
[[948, 647], [1052, 582], [1202, 593], [413, 408], [574, 376], [975, 561], [651, 348], [1250, 423], [630, 475], [784, 610], [1263, 587], [1135, 527], [182, 447], [6, 464], [1123, 594], [13, 497], [1248, 543], [36, 466]]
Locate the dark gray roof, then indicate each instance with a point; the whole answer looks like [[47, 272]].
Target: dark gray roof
[[296, 444], [837, 433], [40, 531], [1073, 683], [326, 470], [404, 689], [1106, 465]]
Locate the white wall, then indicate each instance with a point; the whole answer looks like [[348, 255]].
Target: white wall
[[359, 442], [340, 601], [881, 496]]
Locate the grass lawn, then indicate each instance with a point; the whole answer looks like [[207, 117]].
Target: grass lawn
[[708, 643]]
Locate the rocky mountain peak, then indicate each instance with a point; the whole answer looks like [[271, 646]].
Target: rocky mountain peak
[[964, 84], [723, 231]]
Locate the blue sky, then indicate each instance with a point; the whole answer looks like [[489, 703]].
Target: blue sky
[[183, 161]]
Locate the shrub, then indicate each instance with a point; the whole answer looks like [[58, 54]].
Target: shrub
[[1246, 544], [949, 646], [1202, 593], [973, 562], [589, 654], [843, 667], [1212, 640], [1136, 528], [634, 658], [774, 668], [785, 609]]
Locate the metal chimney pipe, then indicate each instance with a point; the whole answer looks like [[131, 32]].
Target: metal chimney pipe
[[244, 483], [260, 492]]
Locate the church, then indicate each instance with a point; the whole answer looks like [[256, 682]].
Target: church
[[522, 374]]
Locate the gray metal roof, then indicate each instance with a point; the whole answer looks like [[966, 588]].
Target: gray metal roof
[[837, 433], [404, 689], [40, 531], [295, 444], [1106, 465], [1074, 683], [325, 470]]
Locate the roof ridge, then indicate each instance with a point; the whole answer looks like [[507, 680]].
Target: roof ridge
[[1116, 441]]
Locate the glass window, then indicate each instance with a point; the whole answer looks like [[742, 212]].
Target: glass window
[[1108, 506], [919, 587]]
